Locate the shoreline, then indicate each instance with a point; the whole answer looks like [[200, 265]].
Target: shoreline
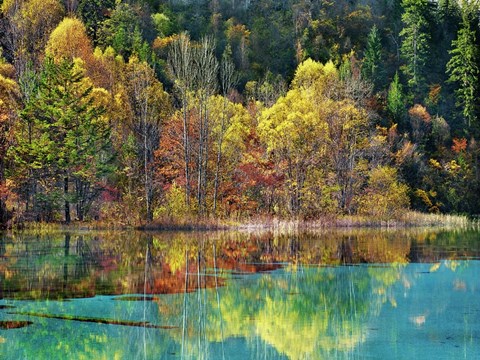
[[409, 220]]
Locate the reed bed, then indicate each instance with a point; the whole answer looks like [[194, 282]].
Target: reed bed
[[407, 220]]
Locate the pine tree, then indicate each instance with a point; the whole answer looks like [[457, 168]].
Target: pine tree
[[464, 70], [64, 139], [373, 57], [395, 100], [415, 43]]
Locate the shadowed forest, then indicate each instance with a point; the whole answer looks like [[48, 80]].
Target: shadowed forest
[[133, 112]]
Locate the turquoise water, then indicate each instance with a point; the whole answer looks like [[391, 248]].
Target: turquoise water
[[103, 304]]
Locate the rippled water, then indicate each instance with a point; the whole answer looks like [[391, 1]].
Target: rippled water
[[337, 295]]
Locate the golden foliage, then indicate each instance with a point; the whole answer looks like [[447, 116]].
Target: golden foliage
[[69, 40]]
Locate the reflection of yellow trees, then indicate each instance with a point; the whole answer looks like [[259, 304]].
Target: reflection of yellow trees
[[306, 314], [282, 326], [302, 312], [384, 278], [116, 261], [309, 313]]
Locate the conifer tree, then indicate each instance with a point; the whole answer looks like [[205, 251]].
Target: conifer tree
[[415, 43], [464, 70], [373, 57], [396, 99], [64, 138]]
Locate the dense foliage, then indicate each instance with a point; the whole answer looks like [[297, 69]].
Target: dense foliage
[[140, 110]]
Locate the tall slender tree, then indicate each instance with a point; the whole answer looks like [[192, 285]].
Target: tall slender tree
[[373, 57], [463, 68], [415, 43], [180, 61], [151, 105], [396, 100], [207, 73], [228, 79]]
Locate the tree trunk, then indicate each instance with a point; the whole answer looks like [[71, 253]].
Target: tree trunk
[[80, 195], [67, 203], [3, 209], [219, 157], [65, 262], [186, 152], [205, 166], [217, 172], [200, 156], [148, 184]]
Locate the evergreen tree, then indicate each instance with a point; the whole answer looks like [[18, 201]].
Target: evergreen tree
[[373, 57], [64, 140], [121, 31], [415, 43], [93, 13], [463, 69], [396, 100]]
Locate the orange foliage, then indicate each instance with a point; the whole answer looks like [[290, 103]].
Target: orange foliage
[[6, 192], [459, 145], [420, 112], [434, 93], [406, 152]]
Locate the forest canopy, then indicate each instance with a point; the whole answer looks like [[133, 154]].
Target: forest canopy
[[135, 111]]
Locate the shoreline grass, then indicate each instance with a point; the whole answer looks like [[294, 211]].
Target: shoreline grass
[[407, 220]]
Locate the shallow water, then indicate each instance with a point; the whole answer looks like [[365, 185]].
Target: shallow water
[[337, 295]]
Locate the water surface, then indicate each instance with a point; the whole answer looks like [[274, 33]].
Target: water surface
[[333, 295]]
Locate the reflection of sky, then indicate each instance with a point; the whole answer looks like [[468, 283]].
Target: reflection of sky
[[413, 311], [438, 317]]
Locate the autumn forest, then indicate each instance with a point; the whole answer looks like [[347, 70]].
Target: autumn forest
[[146, 111]]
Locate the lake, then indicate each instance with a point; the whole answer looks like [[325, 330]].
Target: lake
[[351, 294]]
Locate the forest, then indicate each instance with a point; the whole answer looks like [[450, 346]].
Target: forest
[[146, 111]]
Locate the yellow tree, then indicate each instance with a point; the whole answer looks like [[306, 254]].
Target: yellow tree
[[230, 125], [69, 40], [297, 135], [384, 197], [151, 106], [317, 136], [9, 104], [29, 23]]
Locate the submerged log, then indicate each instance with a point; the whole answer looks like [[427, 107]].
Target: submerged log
[[144, 324]]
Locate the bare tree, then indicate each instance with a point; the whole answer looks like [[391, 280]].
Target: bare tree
[[228, 79], [150, 105], [206, 84], [180, 61]]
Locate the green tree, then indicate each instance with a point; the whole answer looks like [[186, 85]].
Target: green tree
[[396, 100], [64, 139], [121, 30], [464, 70], [373, 57], [9, 104], [162, 24], [92, 12], [415, 42]]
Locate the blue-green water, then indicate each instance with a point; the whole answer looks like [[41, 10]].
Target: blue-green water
[[336, 296]]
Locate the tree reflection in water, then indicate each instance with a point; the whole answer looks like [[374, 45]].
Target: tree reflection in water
[[221, 295]]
